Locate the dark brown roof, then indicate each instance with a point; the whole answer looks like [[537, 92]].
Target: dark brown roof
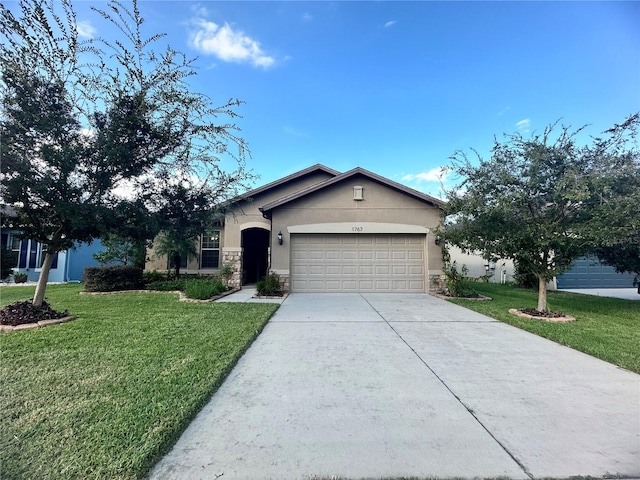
[[343, 176]]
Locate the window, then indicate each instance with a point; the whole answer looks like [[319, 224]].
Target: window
[[43, 253], [183, 262], [15, 244], [210, 249]]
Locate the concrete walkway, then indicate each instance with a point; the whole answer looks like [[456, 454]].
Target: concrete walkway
[[377, 385], [246, 294]]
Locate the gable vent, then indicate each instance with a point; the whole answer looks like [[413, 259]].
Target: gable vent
[[358, 193]]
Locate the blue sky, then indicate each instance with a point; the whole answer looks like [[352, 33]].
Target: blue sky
[[398, 87]]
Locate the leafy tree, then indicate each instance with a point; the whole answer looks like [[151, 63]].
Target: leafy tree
[[614, 225], [530, 202], [186, 212], [83, 122], [121, 251]]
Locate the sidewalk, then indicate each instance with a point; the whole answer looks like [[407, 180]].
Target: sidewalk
[[624, 293], [246, 294]]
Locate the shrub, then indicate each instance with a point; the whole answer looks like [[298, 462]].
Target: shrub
[[524, 279], [166, 285], [110, 279], [203, 289], [8, 260], [226, 272], [269, 285], [153, 276], [20, 277], [456, 283]]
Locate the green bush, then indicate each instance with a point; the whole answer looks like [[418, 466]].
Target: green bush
[[226, 272], [203, 289], [457, 284], [8, 260], [111, 279], [523, 278], [269, 285], [166, 285], [20, 277], [153, 276]]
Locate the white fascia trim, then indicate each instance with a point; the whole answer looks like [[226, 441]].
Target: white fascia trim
[[358, 227]]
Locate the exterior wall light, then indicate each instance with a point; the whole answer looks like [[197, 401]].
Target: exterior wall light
[[280, 237]]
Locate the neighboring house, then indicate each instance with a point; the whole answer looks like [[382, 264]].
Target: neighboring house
[[500, 271], [325, 231], [588, 272], [67, 266]]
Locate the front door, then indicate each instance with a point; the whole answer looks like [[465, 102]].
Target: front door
[[255, 253]]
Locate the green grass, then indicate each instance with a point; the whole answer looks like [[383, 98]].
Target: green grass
[[607, 328], [106, 395]]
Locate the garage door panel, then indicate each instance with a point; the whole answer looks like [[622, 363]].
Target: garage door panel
[[588, 272], [347, 255], [357, 263], [316, 270], [349, 270], [365, 255]]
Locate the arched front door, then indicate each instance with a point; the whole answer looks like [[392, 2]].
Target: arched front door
[[255, 254]]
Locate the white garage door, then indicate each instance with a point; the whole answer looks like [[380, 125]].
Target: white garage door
[[357, 263]]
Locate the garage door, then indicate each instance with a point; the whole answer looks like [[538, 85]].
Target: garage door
[[357, 263], [588, 272]]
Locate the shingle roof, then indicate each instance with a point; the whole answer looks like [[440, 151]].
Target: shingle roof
[[343, 176]]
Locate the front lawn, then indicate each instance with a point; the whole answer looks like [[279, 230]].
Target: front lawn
[[107, 394], [607, 328]]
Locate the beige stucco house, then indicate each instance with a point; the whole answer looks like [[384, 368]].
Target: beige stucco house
[[325, 231]]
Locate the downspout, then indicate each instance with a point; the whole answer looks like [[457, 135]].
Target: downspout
[[66, 266], [426, 260]]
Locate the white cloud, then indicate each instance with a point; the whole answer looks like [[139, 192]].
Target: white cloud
[[199, 9], [85, 29], [503, 111], [307, 17], [437, 174], [390, 23], [523, 125], [228, 44]]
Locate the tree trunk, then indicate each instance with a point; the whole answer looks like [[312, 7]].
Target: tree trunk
[[542, 294], [38, 298], [177, 259]]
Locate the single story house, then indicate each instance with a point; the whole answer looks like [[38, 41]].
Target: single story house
[[325, 231], [67, 266], [501, 270]]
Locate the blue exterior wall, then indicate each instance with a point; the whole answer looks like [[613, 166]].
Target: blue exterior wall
[[80, 258], [588, 272], [69, 266]]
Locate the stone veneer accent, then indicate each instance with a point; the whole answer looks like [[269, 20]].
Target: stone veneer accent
[[284, 282], [436, 283], [234, 257]]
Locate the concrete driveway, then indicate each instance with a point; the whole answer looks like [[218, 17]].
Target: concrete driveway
[[379, 385]]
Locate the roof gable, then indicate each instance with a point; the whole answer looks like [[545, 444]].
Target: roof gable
[[289, 178], [344, 176]]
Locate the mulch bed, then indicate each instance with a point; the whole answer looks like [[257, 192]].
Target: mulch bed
[[532, 313], [20, 313]]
